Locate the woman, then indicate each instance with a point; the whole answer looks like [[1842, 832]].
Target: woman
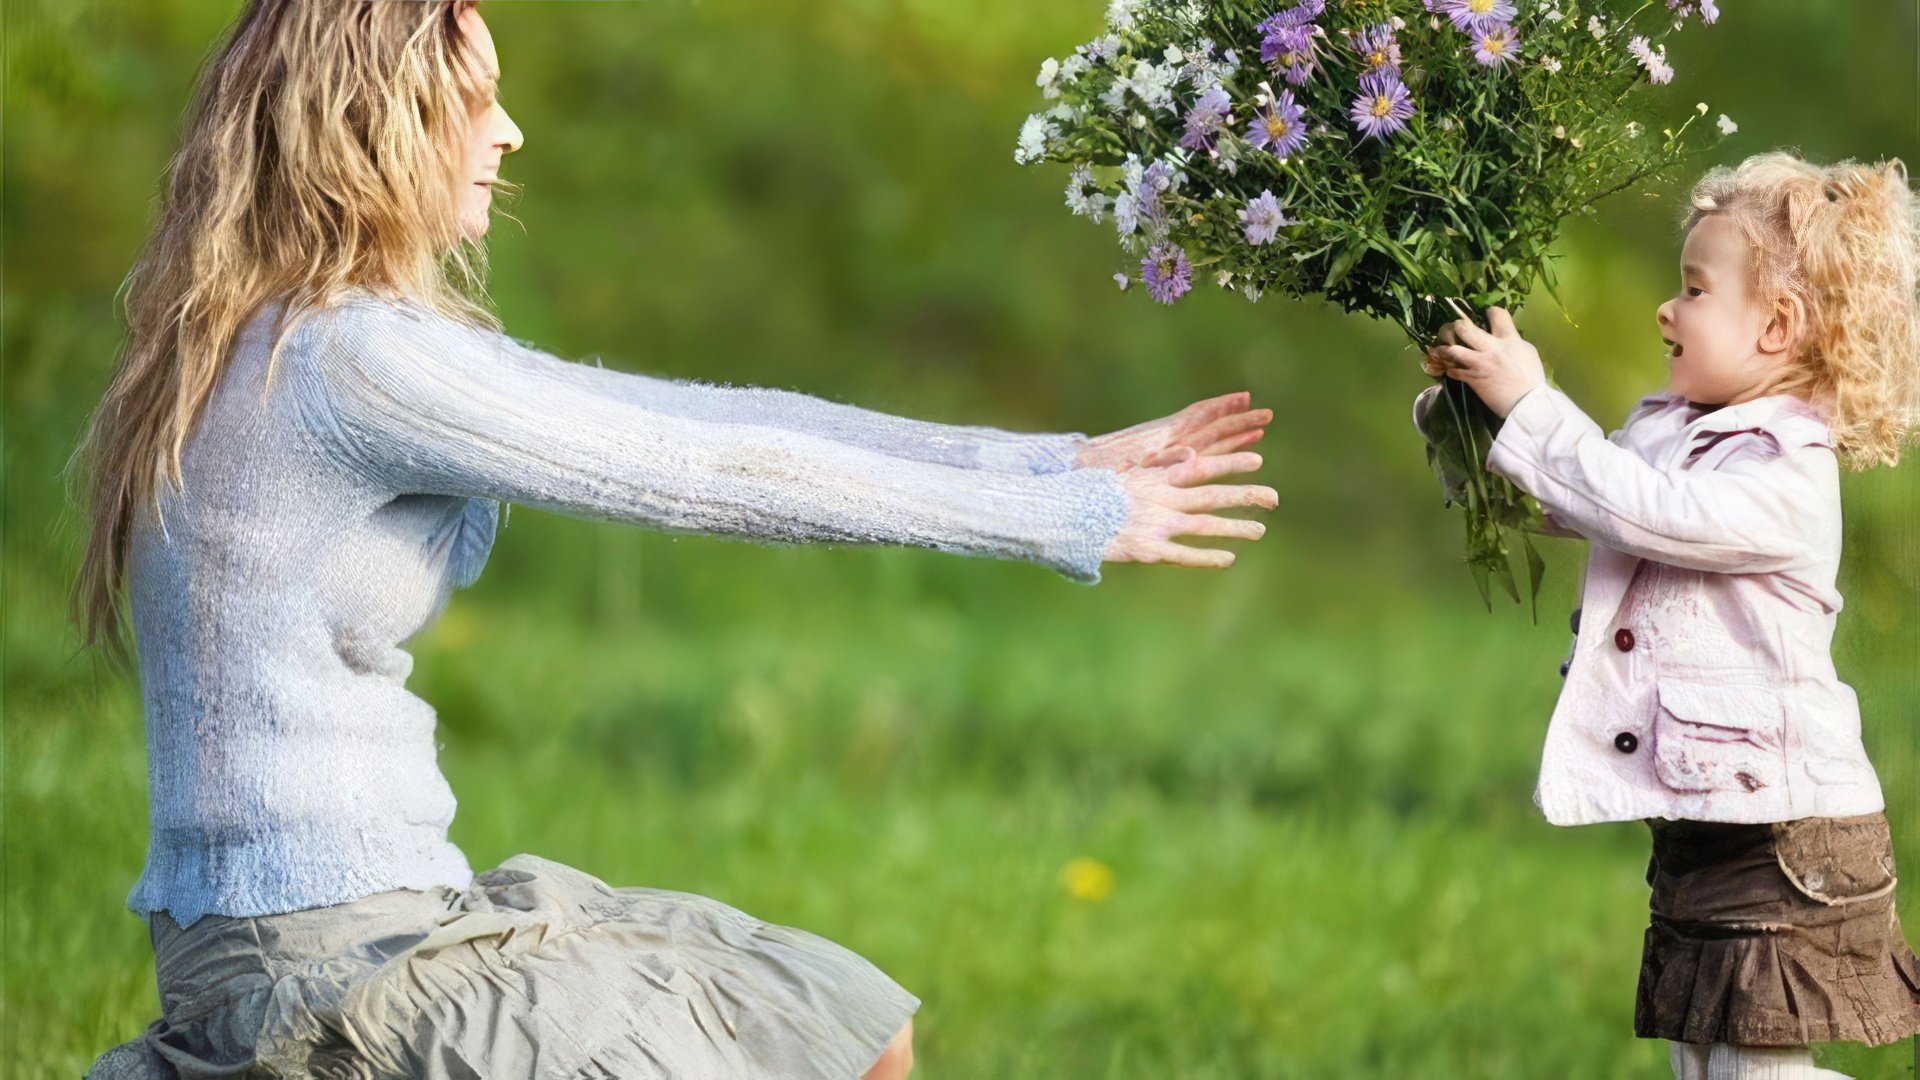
[[286, 517]]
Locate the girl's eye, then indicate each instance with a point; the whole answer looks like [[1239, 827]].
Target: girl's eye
[[1695, 291]]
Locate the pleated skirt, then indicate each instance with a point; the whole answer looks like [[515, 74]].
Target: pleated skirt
[[536, 970], [1780, 934]]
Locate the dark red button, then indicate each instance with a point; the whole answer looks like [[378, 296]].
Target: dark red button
[[1623, 639], [1565, 666], [1626, 742]]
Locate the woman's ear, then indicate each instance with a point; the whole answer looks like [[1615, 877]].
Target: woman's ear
[[1789, 316]]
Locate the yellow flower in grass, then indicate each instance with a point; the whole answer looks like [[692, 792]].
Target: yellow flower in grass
[[1087, 879]]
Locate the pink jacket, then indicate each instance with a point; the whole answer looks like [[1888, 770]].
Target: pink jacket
[[1701, 683]]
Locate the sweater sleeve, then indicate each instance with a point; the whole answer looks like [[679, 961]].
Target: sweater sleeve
[[415, 403], [966, 446], [1759, 512]]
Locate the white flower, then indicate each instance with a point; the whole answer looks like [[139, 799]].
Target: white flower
[[1034, 135], [1138, 121], [1224, 278], [1551, 63], [1049, 78], [1153, 85], [1126, 214], [1074, 66], [1173, 57], [1123, 281], [1727, 126], [1083, 198], [1595, 27], [1553, 15], [1120, 14], [1559, 131], [1634, 129], [1701, 107]]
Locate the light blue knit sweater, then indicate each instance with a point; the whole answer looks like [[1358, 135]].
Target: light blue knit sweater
[[328, 514]]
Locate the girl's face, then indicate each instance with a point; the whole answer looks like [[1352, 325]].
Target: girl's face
[[492, 135], [1725, 345]]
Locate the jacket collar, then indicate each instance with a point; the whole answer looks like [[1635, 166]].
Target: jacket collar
[[1790, 421]]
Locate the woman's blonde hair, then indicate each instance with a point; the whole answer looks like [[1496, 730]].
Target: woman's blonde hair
[[322, 150], [1835, 246]]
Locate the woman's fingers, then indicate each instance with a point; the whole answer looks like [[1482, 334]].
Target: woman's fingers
[[1238, 442], [1207, 498], [1215, 525], [1166, 551], [1168, 456], [1228, 426], [1501, 323], [1202, 470]]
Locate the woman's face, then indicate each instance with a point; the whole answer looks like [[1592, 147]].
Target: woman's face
[[493, 134]]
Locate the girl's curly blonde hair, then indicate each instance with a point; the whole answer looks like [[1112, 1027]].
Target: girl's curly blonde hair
[[1836, 246]]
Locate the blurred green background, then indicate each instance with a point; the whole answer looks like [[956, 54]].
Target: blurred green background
[[1309, 777]]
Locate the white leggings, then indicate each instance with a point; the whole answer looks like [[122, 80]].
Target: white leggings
[[1724, 1061]]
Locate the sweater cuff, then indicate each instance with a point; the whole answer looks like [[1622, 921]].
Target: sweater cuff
[[1096, 508]]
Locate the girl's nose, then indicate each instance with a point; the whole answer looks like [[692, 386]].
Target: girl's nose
[[1664, 315]]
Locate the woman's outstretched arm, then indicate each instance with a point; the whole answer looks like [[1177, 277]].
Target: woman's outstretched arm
[[1215, 426], [414, 403]]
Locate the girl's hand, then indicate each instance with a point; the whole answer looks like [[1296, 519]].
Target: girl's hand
[[1499, 366], [1208, 428], [1165, 501]]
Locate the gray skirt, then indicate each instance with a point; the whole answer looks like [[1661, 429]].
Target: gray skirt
[[536, 970]]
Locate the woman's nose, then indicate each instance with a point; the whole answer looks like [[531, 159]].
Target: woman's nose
[[507, 133]]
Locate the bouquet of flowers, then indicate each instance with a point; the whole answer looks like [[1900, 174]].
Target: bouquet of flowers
[[1409, 159]]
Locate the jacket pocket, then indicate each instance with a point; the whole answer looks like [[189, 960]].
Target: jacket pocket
[[1719, 737], [1836, 860]]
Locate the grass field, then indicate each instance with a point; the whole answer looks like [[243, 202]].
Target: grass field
[[1309, 778]]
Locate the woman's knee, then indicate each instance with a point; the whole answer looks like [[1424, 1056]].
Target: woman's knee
[[896, 1061]]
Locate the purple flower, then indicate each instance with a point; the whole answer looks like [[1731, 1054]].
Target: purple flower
[[1280, 128], [1382, 107], [1166, 273], [1300, 14], [1496, 46], [1378, 50], [1289, 51], [1475, 15], [1262, 218], [1205, 119]]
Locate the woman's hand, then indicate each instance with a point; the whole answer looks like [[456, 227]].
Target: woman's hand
[[1165, 501], [1209, 428], [1499, 366]]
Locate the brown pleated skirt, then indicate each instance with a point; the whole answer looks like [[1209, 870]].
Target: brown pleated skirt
[[537, 971], [1780, 934]]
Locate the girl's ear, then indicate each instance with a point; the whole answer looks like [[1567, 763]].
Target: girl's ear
[[1784, 328]]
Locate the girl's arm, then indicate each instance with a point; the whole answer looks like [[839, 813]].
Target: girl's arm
[[1215, 426], [415, 403], [1768, 506], [1761, 511]]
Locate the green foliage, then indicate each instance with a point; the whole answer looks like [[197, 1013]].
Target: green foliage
[[1310, 775]]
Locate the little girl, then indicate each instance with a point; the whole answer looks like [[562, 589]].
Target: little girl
[[1701, 694]]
